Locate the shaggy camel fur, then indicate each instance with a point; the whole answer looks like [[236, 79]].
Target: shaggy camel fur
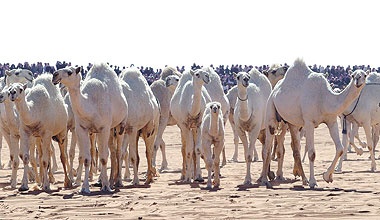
[[212, 133], [364, 111], [253, 92], [305, 99], [163, 91], [43, 116], [99, 106], [187, 106], [143, 120]]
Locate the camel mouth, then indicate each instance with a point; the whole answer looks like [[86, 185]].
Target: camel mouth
[[56, 80], [245, 84]]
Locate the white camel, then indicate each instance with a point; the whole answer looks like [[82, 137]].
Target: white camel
[[143, 120], [187, 106], [305, 99], [43, 116], [364, 112], [212, 133], [253, 91], [216, 92], [163, 90], [11, 123], [275, 73], [99, 106]]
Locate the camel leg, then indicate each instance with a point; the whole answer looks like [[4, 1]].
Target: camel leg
[[1, 147], [345, 143], [251, 152], [368, 134], [243, 138], [159, 143], [62, 143], [149, 137], [334, 133], [309, 128], [207, 157], [84, 158], [55, 165], [296, 148], [189, 151], [355, 134], [102, 139], [280, 138], [236, 138], [94, 158], [73, 143], [218, 147], [24, 155], [375, 137], [196, 155], [33, 161], [184, 133], [113, 157], [133, 153], [46, 157], [119, 156], [271, 125], [125, 156], [7, 139], [14, 152]]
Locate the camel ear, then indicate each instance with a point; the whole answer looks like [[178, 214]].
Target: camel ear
[[8, 73], [192, 72], [286, 68], [78, 70], [367, 72], [350, 73], [235, 75], [24, 86], [265, 72]]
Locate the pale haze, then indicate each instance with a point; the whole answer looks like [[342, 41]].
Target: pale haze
[[158, 33]]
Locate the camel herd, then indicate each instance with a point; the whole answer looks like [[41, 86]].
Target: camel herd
[[107, 114]]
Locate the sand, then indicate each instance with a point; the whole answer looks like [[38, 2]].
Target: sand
[[354, 194]]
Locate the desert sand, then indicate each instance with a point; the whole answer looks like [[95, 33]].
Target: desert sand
[[354, 194]]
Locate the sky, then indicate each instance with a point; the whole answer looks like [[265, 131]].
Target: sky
[[158, 33]]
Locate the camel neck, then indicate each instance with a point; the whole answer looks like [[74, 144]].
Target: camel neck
[[197, 99], [24, 111], [214, 124], [242, 102], [344, 100]]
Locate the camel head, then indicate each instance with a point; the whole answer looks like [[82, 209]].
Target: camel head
[[16, 91], [171, 82], [359, 76], [67, 76], [215, 107], [242, 79], [200, 76], [275, 73], [18, 75]]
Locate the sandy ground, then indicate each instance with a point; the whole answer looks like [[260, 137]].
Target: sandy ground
[[355, 193]]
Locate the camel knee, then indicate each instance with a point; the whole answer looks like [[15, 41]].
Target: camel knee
[[87, 162], [312, 156]]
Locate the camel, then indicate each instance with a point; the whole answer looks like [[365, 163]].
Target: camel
[[212, 133], [216, 92], [187, 106], [143, 120], [364, 112], [42, 115], [99, 106], [275, 73], [163, 90], [305, 99], [253, 92], [10, 123]]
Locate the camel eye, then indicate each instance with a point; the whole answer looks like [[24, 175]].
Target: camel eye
[[273, 71], [197, 75], [238, 78], [17, 73], [69, 72]]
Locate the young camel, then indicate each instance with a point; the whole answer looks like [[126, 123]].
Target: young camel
[[163, 90], [43, 116], [99, 106], [187, 106], [253, 92], [305, 99], [212, 132], [143, 120]]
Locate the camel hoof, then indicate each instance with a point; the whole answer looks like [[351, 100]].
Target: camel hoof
[[327, 177], [199, 179], [118, 184], [85, 191], [271, 175], [98, 184], [360, 151], [234, 159], [305, 182], [312, 185], [338, 169], [23, 188], [106, 189], [280, 178]]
